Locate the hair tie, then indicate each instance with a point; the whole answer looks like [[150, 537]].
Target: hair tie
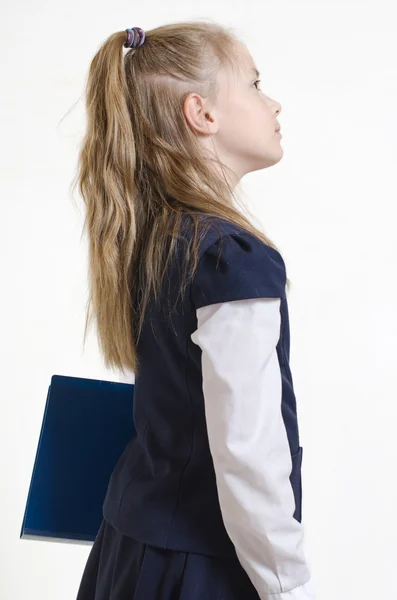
[[135, 37]]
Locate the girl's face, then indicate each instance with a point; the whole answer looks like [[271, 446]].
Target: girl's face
[[240, 129]]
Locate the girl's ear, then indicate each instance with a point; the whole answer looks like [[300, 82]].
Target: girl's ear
[[199, 121]]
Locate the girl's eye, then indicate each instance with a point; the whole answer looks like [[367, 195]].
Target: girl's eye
[[257, 82]]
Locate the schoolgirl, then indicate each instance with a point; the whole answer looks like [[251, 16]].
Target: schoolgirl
[[190, 295]]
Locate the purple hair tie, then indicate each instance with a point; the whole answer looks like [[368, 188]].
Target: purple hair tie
[[135, 37]]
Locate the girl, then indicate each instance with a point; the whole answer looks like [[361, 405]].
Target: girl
[[205, 501]]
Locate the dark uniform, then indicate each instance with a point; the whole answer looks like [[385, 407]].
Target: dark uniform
[[163, 536]]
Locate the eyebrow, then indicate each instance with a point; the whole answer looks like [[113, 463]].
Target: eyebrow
[[256, 71]]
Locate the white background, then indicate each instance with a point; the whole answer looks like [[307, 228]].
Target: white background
[[329, 205]]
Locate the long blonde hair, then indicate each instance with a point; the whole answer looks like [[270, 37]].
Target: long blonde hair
[[141, 168]]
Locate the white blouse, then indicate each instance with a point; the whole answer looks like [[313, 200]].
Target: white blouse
[[249, 445]]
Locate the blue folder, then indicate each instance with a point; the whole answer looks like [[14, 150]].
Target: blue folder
[[86, 426]]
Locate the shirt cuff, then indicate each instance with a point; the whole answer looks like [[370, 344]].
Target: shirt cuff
[[303, 592]]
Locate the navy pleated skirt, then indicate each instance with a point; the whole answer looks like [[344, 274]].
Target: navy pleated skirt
[[122, 568]]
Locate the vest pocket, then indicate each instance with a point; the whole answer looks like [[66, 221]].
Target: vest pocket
[[296, 482]]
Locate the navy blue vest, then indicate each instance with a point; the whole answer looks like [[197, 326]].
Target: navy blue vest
[[163, 488]]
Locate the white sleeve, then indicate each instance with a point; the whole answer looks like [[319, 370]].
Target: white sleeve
[[249, 445]]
